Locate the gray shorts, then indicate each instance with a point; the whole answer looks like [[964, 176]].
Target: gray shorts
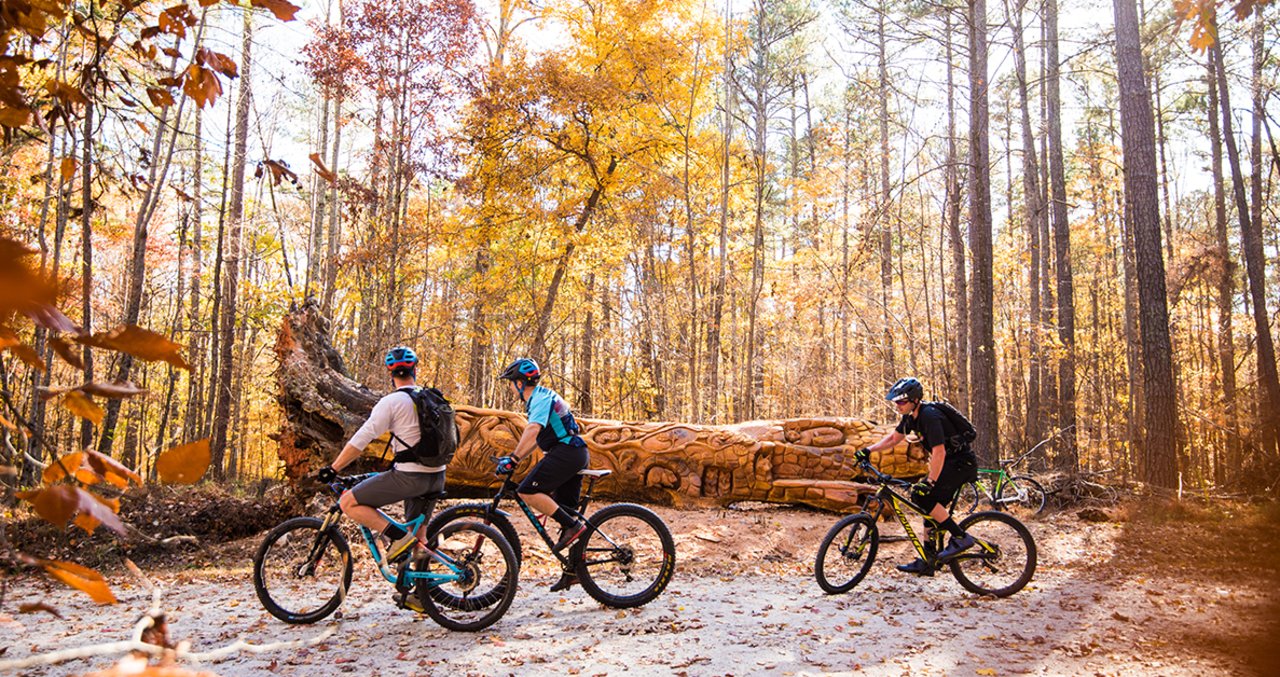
[[397, 485]]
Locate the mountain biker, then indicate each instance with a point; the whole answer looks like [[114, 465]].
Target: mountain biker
[[553, 486], [951, 464], [406, 480]]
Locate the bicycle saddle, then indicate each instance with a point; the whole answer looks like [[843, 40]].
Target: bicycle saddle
[[603, 472]]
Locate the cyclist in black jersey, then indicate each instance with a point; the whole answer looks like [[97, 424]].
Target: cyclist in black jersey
[[951, 464]]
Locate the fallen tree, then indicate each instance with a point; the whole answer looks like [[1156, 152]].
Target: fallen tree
[[804, 460]]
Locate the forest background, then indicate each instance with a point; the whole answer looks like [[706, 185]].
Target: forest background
[[689, 211]]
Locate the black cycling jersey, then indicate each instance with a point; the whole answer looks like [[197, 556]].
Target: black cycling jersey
[[934, 428]]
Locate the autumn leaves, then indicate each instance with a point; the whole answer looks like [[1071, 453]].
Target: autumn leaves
[[84, 487]]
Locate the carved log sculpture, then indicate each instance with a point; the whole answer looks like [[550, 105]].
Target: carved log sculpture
[[804, 460]]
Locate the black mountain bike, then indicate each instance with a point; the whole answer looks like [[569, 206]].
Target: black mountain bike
[[466, 578], [1000, 564], [625, 558]]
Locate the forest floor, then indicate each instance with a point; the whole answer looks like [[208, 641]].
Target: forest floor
[[1156, 589]]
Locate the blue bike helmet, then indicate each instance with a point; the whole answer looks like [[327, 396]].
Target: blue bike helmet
[[523, 369], [401, 361]]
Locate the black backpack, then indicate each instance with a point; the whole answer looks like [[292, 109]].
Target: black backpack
[[965, 432], [437, 426]]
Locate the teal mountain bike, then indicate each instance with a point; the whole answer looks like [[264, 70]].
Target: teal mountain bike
[[465, 575]]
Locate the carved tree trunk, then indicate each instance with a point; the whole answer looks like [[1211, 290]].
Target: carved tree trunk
[[803, 460]]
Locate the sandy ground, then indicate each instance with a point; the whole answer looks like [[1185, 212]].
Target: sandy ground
[[1142, 595]]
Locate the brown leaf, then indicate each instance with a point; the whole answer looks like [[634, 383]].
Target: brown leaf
[[184, 464], [283, 9], [7, 423], [33, 607], [72, 463], [117, 390], [79, 404], [66, 352], [81, 578], [141, 343], [160, 97], [23, 289], [280, 172], [322, 170], [202, 85], [11, 116], [218, 62]]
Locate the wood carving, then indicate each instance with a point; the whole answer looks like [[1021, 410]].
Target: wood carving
[[804, 460]]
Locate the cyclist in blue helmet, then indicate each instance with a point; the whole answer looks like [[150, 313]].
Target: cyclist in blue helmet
[[554, 483], [951, 464], [406, 480]]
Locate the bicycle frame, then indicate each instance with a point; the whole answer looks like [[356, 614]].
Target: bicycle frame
[[897, 503], [508, 491], [403, 577]]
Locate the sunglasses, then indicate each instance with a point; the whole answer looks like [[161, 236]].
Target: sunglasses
[[902, 401]]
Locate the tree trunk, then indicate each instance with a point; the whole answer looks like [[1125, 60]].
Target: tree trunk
[[1255, 271], [1142, 201], [1067, 456], [1225, 285], [221, 419], [882, 203], [982, 357], [86, 253], [954, 198]]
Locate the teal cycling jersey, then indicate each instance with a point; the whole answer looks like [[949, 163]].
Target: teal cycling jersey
[[546, 408]]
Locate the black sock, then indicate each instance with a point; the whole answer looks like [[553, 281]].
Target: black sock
[[564, 518], [951, 526], [393, 532]]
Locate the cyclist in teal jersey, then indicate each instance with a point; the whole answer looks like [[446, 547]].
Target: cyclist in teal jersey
[[553, 486]]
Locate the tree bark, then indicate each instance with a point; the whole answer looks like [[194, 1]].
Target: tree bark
[[1225, 285], [982, 358], [1066, 456], [954, 199], [222, 414], [1143, 206]]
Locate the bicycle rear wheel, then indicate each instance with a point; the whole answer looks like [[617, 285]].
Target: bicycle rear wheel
[[1003, 561], [627, 556], [487, 585], [967, 499], [302, 574], [846, 553], [1023, 492], [478, 512]]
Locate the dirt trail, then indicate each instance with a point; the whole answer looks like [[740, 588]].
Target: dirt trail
[[1146, 595]]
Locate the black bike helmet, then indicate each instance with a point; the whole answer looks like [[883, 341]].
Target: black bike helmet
[[523, 369], [907, 388]]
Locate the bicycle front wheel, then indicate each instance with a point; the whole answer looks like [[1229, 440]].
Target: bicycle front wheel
[[1023, 492], [967, 499], [1004, 559], [302, 574], [482, 590], [626, 557], [846, 553]]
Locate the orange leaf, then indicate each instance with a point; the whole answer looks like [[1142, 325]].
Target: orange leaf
[[141, 343], [283, 10], [7, 423], [27, 354], [81, 578], [67, 463], [59, 503], [14, 117], [218, 62], [68, 168], [322, 170], [8, 338], [79, 404], [111, 470], [184, 464]]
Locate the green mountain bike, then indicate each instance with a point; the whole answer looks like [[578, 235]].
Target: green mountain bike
[[1003, 490]]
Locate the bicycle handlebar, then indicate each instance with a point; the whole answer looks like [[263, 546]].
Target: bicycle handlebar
[[882, 478]]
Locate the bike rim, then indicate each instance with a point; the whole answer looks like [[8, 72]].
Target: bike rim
[[300, 575]]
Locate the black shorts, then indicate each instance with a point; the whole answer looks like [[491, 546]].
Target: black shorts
[[952, 477], [557, 474]]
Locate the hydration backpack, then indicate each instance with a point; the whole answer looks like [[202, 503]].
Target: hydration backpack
[[965, 432], [438, 429]]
